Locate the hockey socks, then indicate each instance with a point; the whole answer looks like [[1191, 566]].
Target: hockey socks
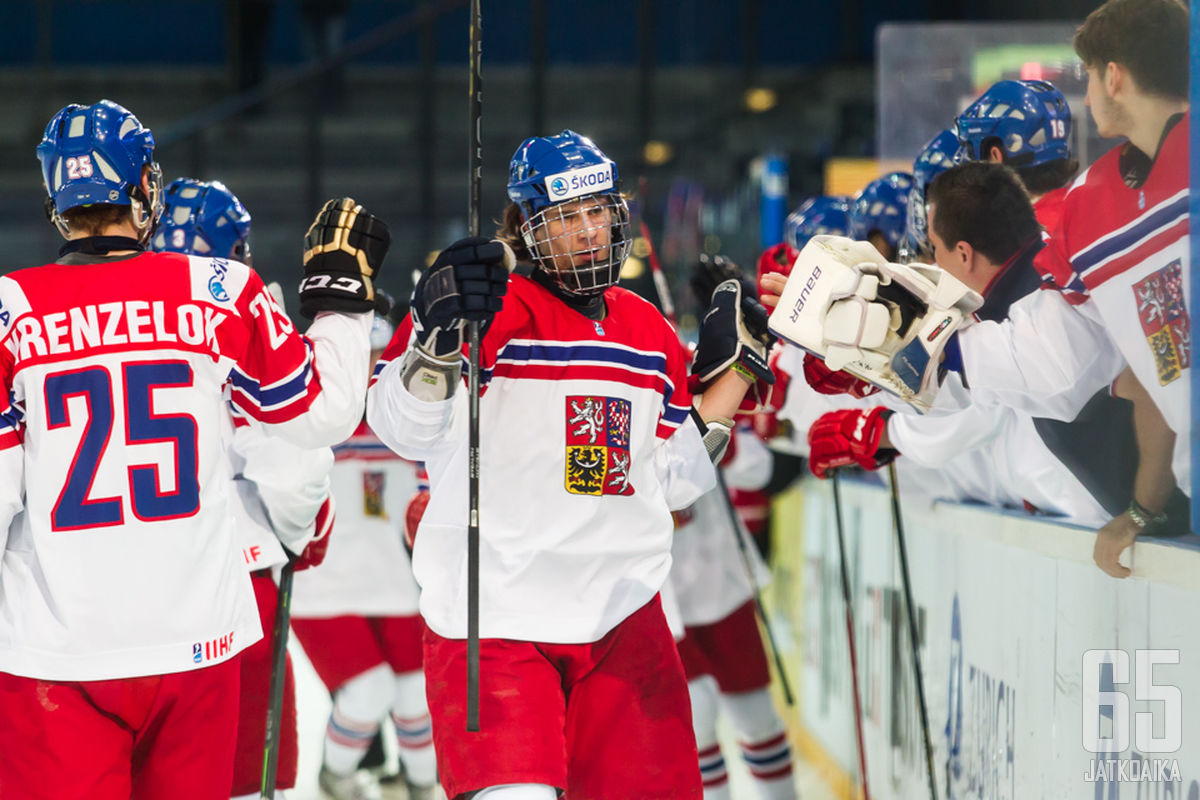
[[763, 741], [414, 729], [358, 706], [713, 776]]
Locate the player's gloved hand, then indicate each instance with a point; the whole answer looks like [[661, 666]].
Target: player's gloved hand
[[824, 380], [343, 252], [733, 335], [466, 282], [711, 271], [314, 552], [412, 517], [777, 258], [849, 436]]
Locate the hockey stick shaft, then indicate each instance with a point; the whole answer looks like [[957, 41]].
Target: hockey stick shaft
[[918, 677], [474, 114], [784, 684], [846, 597], [279, 639], [656, 272]]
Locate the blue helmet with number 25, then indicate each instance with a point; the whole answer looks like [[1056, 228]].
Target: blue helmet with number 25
[[1030, 121], [95, 155], [203, 219], [574, 220]]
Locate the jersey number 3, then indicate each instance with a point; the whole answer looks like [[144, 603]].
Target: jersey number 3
[[75, 509]]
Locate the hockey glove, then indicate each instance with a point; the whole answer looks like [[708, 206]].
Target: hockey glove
[[710, 271], [733, 335], [314, 552], [777, 258], [343, 252], [412, 517], [824, 380], [849, 436], [466, 282]]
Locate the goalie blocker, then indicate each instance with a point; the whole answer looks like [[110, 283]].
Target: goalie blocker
[[887, 324]]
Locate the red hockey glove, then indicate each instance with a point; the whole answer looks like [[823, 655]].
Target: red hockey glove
[[777, 258], [849, 436], [412, 516], [824, 380], [314, 552]]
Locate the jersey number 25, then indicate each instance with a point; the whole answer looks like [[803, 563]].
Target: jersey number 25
[[74, 508]]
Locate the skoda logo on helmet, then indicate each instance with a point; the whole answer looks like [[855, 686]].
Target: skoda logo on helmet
[[558, 186]]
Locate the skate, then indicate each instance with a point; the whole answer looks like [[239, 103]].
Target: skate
[[358, 785]]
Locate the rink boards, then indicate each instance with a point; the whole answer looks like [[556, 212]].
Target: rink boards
[[1008, 608]]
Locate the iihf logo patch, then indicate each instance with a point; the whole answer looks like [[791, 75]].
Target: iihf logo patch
[[597, 435], [1164, 317], [197, 654]]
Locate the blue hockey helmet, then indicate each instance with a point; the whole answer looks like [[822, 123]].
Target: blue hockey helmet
[[203, 219], [939, 154], [575, 222], [882, 206], [95, 154], [1030, 121], [817, 216]]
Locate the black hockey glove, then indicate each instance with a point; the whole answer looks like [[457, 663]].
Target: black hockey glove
[[343, 252], [466, 283], [733, 334], [710, 271]]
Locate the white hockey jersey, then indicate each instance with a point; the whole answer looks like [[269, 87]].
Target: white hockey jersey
[[708, 573], [1120, 255], [366, 571], [280, 489], [584, 449], [125, 561]]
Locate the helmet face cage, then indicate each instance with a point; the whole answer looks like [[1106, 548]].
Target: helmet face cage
[[582, 243], [1029, 120], [940, 154]]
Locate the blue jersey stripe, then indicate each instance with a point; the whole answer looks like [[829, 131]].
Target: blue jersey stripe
[[1145, 228]]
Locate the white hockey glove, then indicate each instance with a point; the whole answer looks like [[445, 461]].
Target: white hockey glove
[[885, 323]]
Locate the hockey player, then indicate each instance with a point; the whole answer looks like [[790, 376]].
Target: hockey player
[[722, 650], [123, 599], [937, 156], [1026, 125], [588, 439], [357, 618], [1118, 256], [984, 232], [282, 490], [879, 213]]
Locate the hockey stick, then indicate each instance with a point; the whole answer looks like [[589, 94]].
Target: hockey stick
[[279, 639], [786, 686], [858, 723], [475, 140], [656, 272], [898, 526], [668, 307]]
